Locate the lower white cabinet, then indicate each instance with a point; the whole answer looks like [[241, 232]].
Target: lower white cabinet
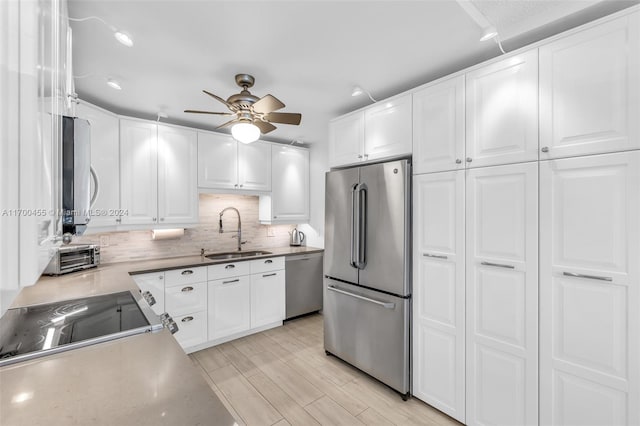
[[192, 329], [229, 306], [184, 299], [590, 290], [439, 292], [502, 295], [152, 282], [267, 298]]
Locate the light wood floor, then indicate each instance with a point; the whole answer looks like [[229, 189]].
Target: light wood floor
[[282, 376]]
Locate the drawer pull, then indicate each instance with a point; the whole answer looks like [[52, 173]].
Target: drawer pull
[[232, 281], [498, 265], [187, 289], [591, 277], [269, 275], [187, 272], [435, 256], [268, 261], [187, 319], [229, 266]]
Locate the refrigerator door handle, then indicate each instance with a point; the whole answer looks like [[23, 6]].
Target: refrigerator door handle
[[361, 261], [386, 305], [354, 225]]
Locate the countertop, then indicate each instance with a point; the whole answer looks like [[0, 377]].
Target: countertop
[[143, 379]]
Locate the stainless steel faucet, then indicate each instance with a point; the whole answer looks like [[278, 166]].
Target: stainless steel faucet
[[239, 225]]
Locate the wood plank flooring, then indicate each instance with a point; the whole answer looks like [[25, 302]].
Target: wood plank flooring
[[283, 377]]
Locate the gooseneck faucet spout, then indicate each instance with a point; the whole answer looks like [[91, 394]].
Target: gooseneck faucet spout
[[239, 225]]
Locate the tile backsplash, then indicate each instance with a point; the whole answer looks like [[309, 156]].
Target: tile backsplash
[[136, 245]]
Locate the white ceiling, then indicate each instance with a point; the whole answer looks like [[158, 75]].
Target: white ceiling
[[309, 54]]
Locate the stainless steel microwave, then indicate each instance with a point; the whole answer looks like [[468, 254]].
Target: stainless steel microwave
[[73, 257]]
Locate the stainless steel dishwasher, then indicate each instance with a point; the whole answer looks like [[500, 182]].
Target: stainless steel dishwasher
[[303, 284]]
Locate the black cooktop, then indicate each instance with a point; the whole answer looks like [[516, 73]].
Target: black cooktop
[[45, 327]]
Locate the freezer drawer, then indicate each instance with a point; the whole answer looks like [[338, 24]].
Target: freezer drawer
[[369, 330]]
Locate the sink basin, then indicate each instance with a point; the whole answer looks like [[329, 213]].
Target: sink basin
[[235, 254]]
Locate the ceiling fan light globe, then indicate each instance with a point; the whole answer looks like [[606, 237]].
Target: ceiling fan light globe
[[245, 132]]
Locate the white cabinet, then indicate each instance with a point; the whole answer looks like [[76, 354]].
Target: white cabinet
[[502, 295], [502, 111], [138, 172], [192, 329], [152, 282], [289, 199], [267, 291], [177, 175], [438, 127], [224, 163], [105, 160], [589, 290], [439, 292], [590, 90], [346, 139], [229, 306], [158, 178], [186, 298], [388, 129]]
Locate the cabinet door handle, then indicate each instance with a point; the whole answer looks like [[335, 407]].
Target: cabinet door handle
[[498, 265], [186, 272], [545, 149], [591, 277], [161, 277], [241, 185], [187, 289], [458, 161], [469, 159], [232, 281], [436, 256], [229, 266], [155, 219], [187, 319], [268, 261], [162, 219], [269, 275], [359, 156]]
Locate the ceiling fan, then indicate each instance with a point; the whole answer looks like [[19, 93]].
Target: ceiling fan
[[253, 115]]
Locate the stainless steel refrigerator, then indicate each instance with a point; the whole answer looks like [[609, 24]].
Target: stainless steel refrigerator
[[367, 284]]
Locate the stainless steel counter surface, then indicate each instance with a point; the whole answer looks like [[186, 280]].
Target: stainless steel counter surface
[[138, 380]]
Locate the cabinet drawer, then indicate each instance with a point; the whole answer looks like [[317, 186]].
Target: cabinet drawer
[[270, 264], [180, 300], [185, 276], [192, 329], [225, 270]]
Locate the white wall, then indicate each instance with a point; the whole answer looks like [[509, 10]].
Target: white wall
[[319, 164]]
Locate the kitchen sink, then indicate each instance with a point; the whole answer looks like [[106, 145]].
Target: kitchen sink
[[235, 254]]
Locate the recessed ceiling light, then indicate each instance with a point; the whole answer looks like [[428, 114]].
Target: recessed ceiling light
[[123, 38], [114, 84]]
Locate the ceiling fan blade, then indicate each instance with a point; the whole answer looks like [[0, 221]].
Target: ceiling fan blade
[[218, 98], [228, 123], [193, 111], [284, 117], [264, 126], [267, 104]]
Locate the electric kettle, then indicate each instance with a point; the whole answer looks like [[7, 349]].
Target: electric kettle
[[297, 237]]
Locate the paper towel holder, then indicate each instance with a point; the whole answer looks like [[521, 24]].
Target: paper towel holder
[[167, 234]]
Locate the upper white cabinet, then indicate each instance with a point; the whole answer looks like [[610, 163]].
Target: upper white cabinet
[[289, 199], [502, 295], [439, 291], [217, 161], [589, 290], [590, 90], [438, 127], [502, 111], [157, 174], [177, 175], [387, 127], [346, 139], [138, 172], [224, 163], [105, 160]]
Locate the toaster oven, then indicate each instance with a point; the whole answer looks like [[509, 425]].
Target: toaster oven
[[74, 257]]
